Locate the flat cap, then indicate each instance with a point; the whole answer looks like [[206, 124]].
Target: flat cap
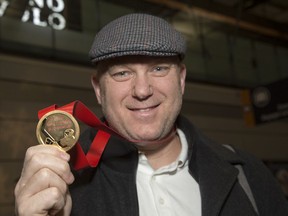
[[137, 34]]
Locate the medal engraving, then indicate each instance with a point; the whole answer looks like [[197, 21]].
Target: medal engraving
[[58, 128]]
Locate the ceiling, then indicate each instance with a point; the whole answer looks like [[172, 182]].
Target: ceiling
[[260, 19]]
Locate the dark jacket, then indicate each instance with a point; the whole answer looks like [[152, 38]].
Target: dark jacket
[[110, 189]]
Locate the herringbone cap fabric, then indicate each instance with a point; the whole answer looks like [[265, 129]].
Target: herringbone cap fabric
[[137, 34]]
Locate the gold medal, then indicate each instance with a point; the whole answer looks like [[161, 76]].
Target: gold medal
[[58, 128]]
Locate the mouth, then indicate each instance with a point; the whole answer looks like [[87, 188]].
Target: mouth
[[143, 109]]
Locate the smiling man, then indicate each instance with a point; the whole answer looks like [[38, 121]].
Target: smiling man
[[164, 166], [141, 96]]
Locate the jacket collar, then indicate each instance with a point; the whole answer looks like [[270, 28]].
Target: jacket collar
[[119, 154], [211, 165]]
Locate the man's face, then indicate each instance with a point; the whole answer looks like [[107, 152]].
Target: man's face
[[141, 97]]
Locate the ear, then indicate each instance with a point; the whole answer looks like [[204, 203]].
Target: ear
[[96, 87], [182, 77]]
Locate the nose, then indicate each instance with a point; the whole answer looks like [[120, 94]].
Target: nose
[[142, 88]]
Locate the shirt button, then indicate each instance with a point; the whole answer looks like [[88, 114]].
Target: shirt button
[[161, 201]]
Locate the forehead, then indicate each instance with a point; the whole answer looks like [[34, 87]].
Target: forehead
[[105, 65]]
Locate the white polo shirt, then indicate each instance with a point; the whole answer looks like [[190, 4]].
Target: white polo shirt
[[170, 190]]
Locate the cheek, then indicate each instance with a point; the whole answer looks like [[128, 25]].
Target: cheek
[[113, 95], [171, 87], [174, 93]]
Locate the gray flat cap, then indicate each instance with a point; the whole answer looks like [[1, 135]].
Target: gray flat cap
[[137, 34]]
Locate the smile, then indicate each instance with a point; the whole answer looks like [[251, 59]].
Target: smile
[[144, 109]]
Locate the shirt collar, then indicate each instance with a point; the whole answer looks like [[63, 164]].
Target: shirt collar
[[184, 148], [179, 163]]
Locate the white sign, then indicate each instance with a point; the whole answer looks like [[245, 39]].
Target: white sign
[[3, 6], [55, 19]]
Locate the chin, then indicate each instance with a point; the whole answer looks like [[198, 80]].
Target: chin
[[148, 136]]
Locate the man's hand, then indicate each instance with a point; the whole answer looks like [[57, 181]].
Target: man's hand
[[43, 186]]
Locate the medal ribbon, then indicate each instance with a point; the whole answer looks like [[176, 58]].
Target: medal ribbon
[[82, 113]]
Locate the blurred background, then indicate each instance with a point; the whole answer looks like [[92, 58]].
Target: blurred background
[[237, 60]]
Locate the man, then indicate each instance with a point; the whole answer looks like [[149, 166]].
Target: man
[[165, 166]]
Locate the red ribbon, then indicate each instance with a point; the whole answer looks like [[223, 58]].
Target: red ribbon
[[82, 113], [78, 158]]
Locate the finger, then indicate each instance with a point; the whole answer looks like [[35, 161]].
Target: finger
[[49, 149], [46, 160], [48, 200], [42, 180], [66, 211], [44, 149]]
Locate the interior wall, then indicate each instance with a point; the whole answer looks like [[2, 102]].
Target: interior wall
[[28, 85]]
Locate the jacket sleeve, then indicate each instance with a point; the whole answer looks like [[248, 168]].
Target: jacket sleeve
[[266, 190]]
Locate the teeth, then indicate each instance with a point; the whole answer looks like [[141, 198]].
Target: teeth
[[143, 110]]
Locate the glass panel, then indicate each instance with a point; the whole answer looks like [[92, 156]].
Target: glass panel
[[266, 63], [283, 61], [244, 64], [217, 57]]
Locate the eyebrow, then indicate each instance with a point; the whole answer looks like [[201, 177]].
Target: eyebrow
[[126, 62]]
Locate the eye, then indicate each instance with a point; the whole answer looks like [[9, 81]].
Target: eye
[[161, 70], [121, 75]]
